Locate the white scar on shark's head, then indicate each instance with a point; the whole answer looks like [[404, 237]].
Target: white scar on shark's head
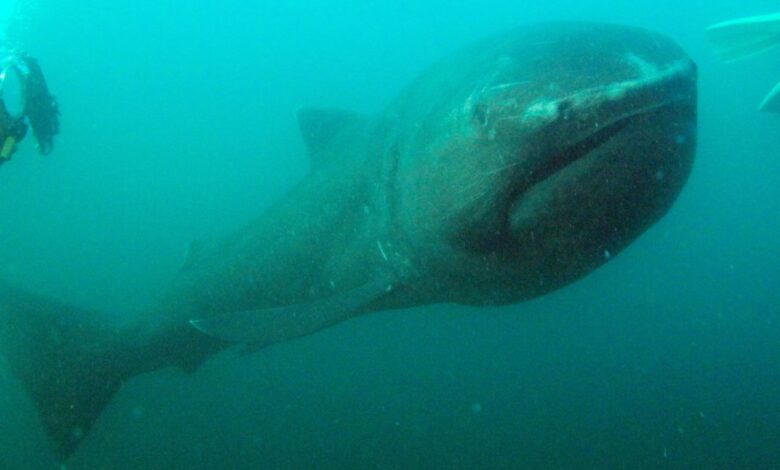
[[546, 110], [644, 68]]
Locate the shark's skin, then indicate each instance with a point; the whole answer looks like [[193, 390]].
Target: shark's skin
[[511, 169]]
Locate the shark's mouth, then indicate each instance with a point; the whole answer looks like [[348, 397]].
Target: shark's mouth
[[578, 125], [592, 174], [580, 149]]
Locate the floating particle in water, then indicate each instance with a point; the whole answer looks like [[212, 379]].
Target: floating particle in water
[[607, 254], [476, 408]]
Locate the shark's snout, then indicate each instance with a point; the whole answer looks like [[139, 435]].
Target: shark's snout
[[564, 130]]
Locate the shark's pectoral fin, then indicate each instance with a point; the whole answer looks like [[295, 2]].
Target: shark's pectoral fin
[[267, 326], [772, 101]]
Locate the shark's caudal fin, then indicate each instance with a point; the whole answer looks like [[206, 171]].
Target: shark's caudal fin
[[67, 361], [745, 37]]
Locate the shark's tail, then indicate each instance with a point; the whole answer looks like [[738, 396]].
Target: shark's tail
[[70, 364]]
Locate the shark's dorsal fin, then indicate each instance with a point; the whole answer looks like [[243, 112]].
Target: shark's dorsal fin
[[272, 325], [319, 128]]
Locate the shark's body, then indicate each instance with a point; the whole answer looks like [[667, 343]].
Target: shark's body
[[505, 172]]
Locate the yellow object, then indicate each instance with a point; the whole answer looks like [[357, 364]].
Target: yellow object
[[8, 148]]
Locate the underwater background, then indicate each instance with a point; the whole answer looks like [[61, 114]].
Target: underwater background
[[178, 123]]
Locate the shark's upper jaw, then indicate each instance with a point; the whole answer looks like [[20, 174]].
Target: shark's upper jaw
[[566, 129], [568, 154]]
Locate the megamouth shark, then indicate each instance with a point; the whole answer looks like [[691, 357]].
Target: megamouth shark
[[510, 169]]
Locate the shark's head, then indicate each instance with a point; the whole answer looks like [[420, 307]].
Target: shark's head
[[530, 160]]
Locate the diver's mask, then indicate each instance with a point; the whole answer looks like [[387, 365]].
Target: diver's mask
[[13, 101]]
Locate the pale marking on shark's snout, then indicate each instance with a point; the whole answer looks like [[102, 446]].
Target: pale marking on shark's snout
[[546, 110], [645, 68]]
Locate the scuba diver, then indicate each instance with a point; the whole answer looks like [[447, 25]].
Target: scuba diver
[[25, 98], [745, 37]]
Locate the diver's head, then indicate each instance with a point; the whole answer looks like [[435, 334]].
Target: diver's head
[[25, 98]]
